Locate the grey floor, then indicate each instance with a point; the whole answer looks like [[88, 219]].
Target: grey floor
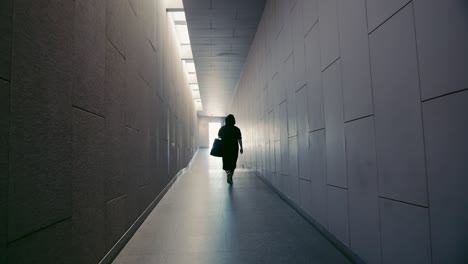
[[204, 220]]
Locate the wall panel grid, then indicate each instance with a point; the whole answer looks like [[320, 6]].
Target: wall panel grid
[[364, 128], [99, 119]]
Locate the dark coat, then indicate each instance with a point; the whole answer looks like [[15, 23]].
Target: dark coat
[[230, 136]]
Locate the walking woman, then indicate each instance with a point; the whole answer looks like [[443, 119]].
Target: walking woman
[[231, 137]]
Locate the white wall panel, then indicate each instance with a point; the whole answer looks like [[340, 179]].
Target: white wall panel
[[310, 13], [361, 164], [329, 32], [334, 126], [277, 123], [441, 28], [357, 143], [380, 10], [292, 117], [318, 179], [398, 121], [300, 77], [288, 75], [284, 138], [293, 169], [355, 63], [314, 80], [445, 130], [405, 233], [302, 134], [337, 200], [286, 37], [305, 195], [277, 161]]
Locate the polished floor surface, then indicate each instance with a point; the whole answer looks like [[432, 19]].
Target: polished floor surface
[[204, 220]]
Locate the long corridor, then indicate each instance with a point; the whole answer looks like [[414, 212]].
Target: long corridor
[[204, 220]]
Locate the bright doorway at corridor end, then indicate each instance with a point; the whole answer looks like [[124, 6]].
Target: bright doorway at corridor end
[[213, 128]]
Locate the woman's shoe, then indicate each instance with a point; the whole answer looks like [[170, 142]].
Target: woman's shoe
[[229, 178]]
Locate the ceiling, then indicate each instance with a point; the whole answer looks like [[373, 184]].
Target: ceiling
[[221, 32]]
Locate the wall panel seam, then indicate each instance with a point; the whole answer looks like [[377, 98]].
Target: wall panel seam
[[390, 17], [132, 128], [423, 134], [40, 229], [87, 111], [329, 65], [444, 95], [358, 118], [398, 201], [133, 8], [116, 198], [117, 49], [312, 27], [339, 187]]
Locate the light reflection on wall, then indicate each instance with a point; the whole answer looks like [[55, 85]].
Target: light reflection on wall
[[177, 15]]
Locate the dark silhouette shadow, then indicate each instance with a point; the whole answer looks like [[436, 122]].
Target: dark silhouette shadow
[[231, 139]]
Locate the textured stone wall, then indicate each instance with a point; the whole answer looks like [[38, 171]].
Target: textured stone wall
[[356, 111], [96, 119]]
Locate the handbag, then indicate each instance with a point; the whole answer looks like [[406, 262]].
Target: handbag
[[217, 149]]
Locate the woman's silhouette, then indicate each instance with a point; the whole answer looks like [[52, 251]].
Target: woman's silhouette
[[231, 138]]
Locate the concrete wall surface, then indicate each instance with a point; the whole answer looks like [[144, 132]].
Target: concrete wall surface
[[356, 110], [96, 118]]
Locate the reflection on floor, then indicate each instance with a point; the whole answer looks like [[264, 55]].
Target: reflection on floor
[[204, 220]]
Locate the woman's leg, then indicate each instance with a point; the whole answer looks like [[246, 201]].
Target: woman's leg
[[229, 177], [232, 174]]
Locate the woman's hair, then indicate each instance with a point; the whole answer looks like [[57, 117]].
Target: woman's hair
[[230, 120]]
